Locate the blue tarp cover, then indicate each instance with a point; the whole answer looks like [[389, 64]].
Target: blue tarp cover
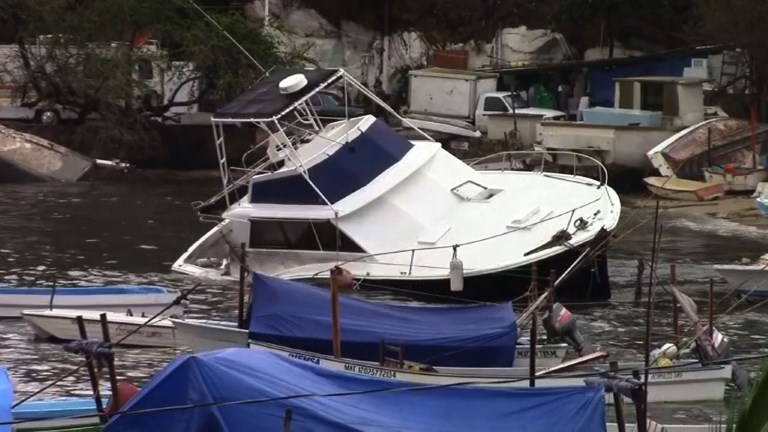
[[298, 315], [238, 374], [6, 400]]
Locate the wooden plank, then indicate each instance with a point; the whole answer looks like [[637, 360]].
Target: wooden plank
[[575, 362]]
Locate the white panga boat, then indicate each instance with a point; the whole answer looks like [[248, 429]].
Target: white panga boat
[[669, 384], [210, 335], [62, 324], [685, 190], [393, 212], [147, 300], [750, 280]]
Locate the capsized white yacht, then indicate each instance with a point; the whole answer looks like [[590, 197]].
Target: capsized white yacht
[[392, 212]]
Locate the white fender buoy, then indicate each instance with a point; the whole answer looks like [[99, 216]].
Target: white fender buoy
[[456, 272]]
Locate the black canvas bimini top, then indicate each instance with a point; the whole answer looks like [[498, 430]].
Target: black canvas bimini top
[[264, 101]]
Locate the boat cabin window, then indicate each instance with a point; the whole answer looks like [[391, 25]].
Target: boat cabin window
[[307, 235], [494, 104]]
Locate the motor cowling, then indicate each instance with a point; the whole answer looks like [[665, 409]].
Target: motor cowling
[[561, 324]]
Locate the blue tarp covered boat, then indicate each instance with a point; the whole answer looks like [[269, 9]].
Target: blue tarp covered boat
[[272, 384], [298, 315]]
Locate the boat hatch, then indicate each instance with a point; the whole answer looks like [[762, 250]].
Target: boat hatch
[[305, 235], [530, 218], [434, 234], [473, 191]]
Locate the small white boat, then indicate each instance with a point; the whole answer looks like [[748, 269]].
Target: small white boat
[[762, 204], [672, 384], [684, 190], [750, 280], [61, 324], [147, 300], [736, 179], [209, 335]]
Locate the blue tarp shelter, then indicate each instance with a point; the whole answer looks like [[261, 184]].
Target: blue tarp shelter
[[298, 315], [601, 85], [239, 374], [6, 400]]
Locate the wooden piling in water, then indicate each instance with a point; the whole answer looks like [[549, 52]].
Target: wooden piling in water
[[534, 325], [92, 373], [639, 281], [712, 310], [675, 308], [241, 292], [618, 400], [110, 360]]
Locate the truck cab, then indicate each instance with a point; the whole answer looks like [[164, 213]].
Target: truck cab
[[507, 103]]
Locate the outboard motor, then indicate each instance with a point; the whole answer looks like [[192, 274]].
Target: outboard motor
[[720, 349], [560, 324]]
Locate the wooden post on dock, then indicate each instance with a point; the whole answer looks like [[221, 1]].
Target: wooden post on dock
[[675, 308], [336, 337], [618, 400], [92, 373], [534, 325], [241, 292], [110, 361], [639, 281]]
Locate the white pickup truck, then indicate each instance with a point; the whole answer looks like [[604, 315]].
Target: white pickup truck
[[463, 99], [505, 102]]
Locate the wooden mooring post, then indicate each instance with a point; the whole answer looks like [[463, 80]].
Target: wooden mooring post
[[92, 373], [534, 325], [110, 361], [241, 292], [335, 331], [639, 281], [287, 419], [675, 307], [618, 400]]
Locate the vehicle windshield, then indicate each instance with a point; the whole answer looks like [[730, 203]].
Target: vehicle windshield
[[518, 101]]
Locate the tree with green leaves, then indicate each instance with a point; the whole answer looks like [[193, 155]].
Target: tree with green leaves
[[97, 58]]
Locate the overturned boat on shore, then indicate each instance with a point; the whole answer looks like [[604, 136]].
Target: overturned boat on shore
[[714, 142]]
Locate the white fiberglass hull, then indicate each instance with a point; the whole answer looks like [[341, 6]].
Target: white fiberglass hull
[[670, 385], [747, 280], [62, 324]]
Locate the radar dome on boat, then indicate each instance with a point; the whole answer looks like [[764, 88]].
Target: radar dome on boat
[[292, 83]]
